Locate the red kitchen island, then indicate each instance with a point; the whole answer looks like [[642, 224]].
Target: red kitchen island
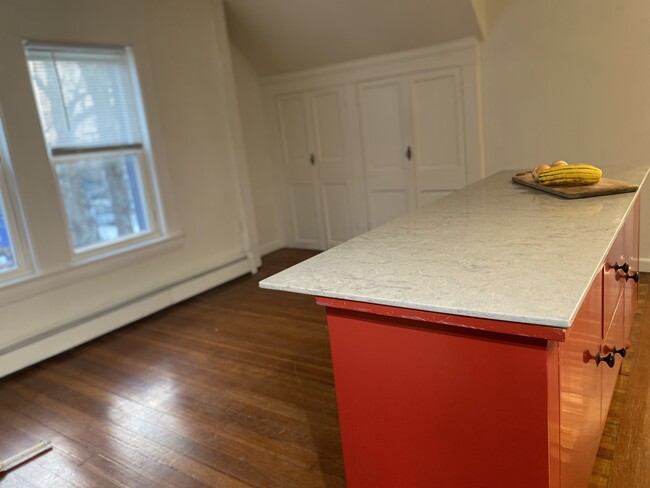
[[477, 341]]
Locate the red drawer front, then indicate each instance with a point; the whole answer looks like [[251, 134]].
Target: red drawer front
[[613, 281], [615, 340]]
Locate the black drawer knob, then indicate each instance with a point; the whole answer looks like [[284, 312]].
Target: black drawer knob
[[622, 351], [609, 359], [634, 276], [624, 267]]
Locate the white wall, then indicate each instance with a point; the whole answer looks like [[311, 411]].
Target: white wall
[[261, 171], [181, 50], [568, 79]]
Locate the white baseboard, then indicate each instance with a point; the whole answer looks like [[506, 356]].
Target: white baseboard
[[62, 338], [644, 265]]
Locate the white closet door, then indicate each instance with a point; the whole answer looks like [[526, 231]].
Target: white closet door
[[301, 182], [437, 122], [332, 164], [384, 130]]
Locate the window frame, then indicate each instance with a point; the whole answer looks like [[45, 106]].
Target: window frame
[[13, 215], [146, 190], [148, 178]]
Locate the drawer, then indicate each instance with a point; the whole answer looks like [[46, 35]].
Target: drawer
[[613, 280], [614, 341]]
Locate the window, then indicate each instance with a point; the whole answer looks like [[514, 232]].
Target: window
[[8, 261], [12, 257], [88, 105]]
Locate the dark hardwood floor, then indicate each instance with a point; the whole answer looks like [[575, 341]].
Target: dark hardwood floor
[[232, 388]]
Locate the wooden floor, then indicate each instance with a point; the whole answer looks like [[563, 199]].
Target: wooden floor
[[232, 388]]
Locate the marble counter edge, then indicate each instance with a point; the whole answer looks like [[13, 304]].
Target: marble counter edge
[[562, 321]]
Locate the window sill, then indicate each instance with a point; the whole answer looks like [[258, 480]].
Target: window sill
[[79, 269]]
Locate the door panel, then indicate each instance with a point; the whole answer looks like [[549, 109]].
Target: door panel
[[302, 190], [332, 165], [438, 134], [305, 226], [384, 128], [387, 205], [336, 205], [295, 132], [328, 124]]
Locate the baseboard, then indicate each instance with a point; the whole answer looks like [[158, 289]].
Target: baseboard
[[272, 246], [644, 265], [67, 336]]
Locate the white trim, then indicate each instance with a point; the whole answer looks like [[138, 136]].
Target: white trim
[[69, 335], [467, 46], [237, 150], [644, 265], [13, 213], [33, 284]]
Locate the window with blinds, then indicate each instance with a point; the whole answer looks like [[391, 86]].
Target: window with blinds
[[91, 119]]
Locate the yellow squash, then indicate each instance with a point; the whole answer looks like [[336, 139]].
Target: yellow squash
[[570, 175]]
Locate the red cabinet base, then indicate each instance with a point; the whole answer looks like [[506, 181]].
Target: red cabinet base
[[424, 404], [437, 400]]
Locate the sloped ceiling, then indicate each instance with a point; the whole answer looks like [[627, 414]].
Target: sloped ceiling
[[281, 36]]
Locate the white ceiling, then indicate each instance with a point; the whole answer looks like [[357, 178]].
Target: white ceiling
[[280, 36]]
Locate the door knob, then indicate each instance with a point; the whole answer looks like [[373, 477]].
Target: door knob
[[409, 153], [609, 359], [625, 267], [312, 159]]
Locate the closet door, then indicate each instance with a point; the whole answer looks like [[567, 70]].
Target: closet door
[[383, 117], [437, 121], [332, 165], [295, 133]]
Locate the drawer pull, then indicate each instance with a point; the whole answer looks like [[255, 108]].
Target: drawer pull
[[622, 351], [634, 276], [609, 359], [625, 267]]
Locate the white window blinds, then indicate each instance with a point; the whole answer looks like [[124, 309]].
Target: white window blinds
[[85, 98]]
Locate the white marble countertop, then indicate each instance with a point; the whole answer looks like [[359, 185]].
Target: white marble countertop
[[494, 250]]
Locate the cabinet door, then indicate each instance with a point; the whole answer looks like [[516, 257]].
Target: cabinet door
[[580, 392], [293, 117], [384, 127], [333, 166], [438, 133]]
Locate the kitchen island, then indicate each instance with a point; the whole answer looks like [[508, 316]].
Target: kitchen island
[[476, 342]]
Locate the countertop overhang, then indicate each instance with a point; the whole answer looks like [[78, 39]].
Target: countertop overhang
[[494, 250]]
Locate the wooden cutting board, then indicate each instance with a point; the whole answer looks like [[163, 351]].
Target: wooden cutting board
[[603, 187]]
